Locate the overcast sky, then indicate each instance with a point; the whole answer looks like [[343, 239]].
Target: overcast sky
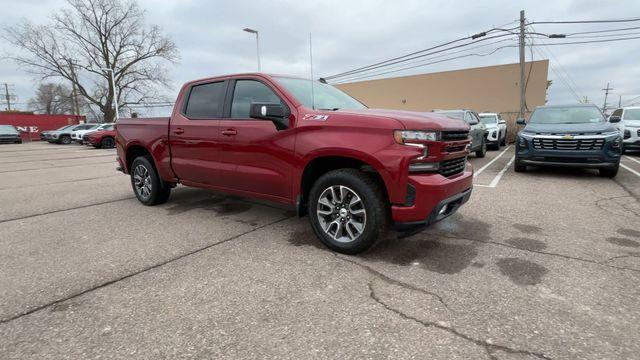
[[350, 34]]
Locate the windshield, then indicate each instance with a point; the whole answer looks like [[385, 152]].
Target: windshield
[[488, 119], [65, 127], [632, 114], [326, 96], [9, 128], [452, 113], [567, 115]]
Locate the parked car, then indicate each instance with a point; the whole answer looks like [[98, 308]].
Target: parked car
[[354, 170], [478, 131], [80, 130], [627, 120], [62, 135], [9, 134], [103, 138], [569, 136], [496, 129]]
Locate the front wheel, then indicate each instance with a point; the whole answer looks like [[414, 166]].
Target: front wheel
[[146, 184], [610, 173], [519, 167], [347, 210], [503, 142], [483, 149], [66, 140]]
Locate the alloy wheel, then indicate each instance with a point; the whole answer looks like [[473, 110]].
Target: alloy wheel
[[341, 213], [142, 181]]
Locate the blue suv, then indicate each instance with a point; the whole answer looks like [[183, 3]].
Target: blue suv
[[569, 136]]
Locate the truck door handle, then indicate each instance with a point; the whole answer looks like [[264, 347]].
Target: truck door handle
[[229, 132], [178, 131]]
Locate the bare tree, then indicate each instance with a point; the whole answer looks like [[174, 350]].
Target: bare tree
[[52, 98], [92, 35]]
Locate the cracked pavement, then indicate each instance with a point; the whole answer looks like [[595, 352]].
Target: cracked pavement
[[544, 266]]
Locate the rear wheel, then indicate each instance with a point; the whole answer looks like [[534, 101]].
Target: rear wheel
[[146, 184], [347, 210], [107, 143], [610, 173], [483, 149]]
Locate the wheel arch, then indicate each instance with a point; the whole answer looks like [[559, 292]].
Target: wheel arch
[[320, 164]]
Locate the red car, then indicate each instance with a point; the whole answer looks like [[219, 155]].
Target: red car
[[305, 144], [103, 138]]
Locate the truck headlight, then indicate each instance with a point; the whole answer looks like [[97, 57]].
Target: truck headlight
[[408, 136], [522, 142], [617, 143]]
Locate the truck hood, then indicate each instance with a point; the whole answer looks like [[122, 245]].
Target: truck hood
[[574, 129], [413, 120]]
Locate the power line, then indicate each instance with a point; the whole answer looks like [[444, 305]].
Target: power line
[[588, 42], [424, 62], [385, 64], [585, 21], [603, 31], [412, 55], [420, 65], [568, 77]]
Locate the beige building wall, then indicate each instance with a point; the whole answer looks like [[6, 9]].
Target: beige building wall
[[491, 89]]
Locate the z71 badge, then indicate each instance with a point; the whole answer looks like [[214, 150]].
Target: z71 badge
[[316, 117]]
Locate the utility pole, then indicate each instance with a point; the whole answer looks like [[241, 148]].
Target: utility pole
[[619, 101], [606, 94], [7, 96], [522, 80]]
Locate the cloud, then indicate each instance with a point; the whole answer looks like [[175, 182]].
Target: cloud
[[351, 34]]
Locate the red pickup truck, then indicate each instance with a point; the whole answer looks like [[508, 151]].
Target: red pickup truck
[[305, 144]]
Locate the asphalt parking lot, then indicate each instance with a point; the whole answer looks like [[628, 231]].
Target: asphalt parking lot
[[544, 264]]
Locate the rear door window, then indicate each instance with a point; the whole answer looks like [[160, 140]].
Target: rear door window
[[206, 101]]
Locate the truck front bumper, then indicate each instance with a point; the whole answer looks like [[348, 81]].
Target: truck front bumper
[[436, 197]]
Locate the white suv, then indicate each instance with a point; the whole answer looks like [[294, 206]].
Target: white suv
[[496, 129], [629, 126], [80, 131]]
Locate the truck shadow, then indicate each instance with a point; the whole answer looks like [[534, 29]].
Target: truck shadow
[[431, 251], [184, 200]]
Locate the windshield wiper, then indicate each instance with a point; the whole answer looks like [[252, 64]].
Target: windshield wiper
[[331, 109]]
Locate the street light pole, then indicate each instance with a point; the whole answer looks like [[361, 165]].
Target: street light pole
[[113, 88], [252, 31]]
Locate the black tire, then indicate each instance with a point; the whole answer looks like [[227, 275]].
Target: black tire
[[157, 192], [372, 199], [65, 139], [610, 173], [519, 167], [503, 142], [107, 143], [483, 149]]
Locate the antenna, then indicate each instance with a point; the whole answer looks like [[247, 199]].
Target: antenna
[[313, 98]]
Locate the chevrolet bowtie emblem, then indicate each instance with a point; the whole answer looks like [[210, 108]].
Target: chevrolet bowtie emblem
[[567, 137]]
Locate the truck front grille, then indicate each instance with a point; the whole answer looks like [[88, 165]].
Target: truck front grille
[[568, 144], [455, 135], [452, 167]]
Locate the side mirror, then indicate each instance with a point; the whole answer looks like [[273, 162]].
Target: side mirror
[[277, 113], [614, 119], [502, 122], [521, 122]]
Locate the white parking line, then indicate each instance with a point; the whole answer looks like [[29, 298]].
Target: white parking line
[[490, 162], [496, 179], [630, 169], [632, 159]]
